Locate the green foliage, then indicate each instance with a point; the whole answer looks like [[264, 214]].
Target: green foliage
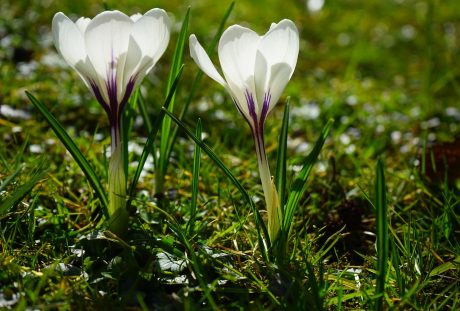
[[382, 234], [74, 151], [297, 190], [21, 191], [165, 138], [355, 237]]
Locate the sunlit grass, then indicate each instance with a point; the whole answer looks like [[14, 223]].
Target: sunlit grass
[[385, 71]]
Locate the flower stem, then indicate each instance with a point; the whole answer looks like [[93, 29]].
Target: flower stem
[[268, 186], [118, 213]]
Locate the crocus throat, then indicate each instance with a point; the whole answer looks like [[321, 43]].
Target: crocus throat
[[257, 122], [113, 108], [111, 84]]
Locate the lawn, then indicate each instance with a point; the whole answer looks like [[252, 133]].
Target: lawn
[[363, 145]]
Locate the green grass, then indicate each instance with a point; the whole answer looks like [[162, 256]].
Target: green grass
[[375, 226]]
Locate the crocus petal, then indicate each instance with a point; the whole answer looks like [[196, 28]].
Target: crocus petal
[[107, 39], [155, 23], [82, 23], [281, 44], [275, 61], [68, 39], [237, 52], [69, 42], [203, 61], [135, 17], [261, 80], [279, 77]]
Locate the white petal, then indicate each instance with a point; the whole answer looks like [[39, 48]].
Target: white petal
[[279, 77], [68, 39], [82, 23], [135, 17], [281, 44], [149, 37], [270, 82], [69, 42], [261, 80], [107, 39], [275, 61], [237, 54], [203, 61]]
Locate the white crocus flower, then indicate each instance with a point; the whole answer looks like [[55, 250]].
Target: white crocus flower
[[112, 53], [256, 70]]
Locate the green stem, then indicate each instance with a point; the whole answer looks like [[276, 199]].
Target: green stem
[[270, 193], [118, 214]]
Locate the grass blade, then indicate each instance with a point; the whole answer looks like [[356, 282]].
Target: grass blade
[[151, 138], [127, 126], [195, 180], [259, 221], [297, 190], [20, 192], [147, 122], [199, 75], [74, 151], [396, 262], [280, 176], [382, 234], [165, 140], [299, 186], [10, 178]]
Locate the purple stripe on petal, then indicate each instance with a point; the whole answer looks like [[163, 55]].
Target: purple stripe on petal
[[242, 113], [111, 85], [251, 107], [266, 105], [98, 94], [257, 128], [128, 91]]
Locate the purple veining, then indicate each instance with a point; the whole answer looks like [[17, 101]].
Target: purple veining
[[111, 84], [99, 97], [128, 90], [257, 124], [265, 106], [113, 108]]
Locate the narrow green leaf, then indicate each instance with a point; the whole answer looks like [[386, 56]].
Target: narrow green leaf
[[74, 151], [209, 50], [297, 190], [195, 180], [197, 79], [396, 262], [226, 171], [197, 265], [127, 126], [443, 268], [281, 159], [10, 178], [382, 234], [144, 113], [166, 124], [147, 122], [151, 138], [318, 301], [192, 257], [299, 186], [178, 53], [20, 192]]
